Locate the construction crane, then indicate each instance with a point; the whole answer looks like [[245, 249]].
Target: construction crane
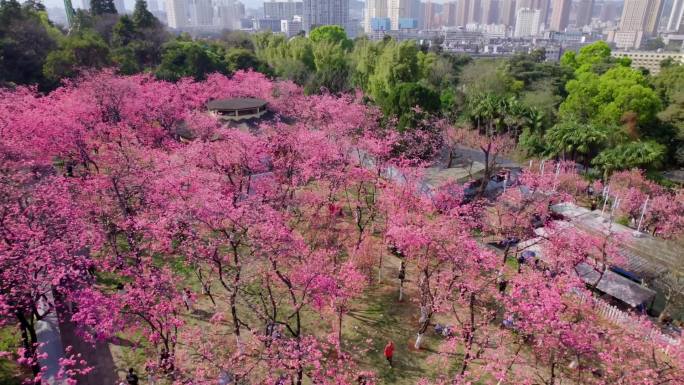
[[69, 12]]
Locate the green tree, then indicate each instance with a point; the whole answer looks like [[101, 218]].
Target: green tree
[[124, 31], [77, 51], [142, 17], [397, 64], [244, 59], [438, 71], [638, 154], [190, 59], [332, 34], [363, 59], [102, 7], [237, 39], [332, 69], [594, 58], [606, 98], [527, 67], [669, 85], [488, 76], [494, 113], [26, 39], [571, 140], [410, 102], [291, 59]]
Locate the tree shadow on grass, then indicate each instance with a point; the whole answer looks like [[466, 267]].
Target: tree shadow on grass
[[201, 314], [379, 318], [116, 340]]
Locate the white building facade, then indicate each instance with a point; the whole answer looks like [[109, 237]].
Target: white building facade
[[527, 22]]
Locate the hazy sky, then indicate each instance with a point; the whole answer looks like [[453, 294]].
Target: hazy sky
[[130, 3]]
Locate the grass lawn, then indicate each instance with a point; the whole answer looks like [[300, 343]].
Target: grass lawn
[[10, 373], [379, 317]]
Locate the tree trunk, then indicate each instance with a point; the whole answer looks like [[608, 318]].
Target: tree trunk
[[485, 177], [470, 334], [339, 328], [380, 268], [401, 290], [425, 316], [233, 296], [29, 339], [236, 320], [505, 254], [419, 340]]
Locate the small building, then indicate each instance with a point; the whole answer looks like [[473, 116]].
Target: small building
[[266, 24], [291, 27], [649, 59], [237, 108]]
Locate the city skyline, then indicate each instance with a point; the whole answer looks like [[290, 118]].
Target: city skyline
[[250, 3], [627, 24]]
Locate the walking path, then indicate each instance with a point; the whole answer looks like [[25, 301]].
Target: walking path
[[50, 340], [54, 335]]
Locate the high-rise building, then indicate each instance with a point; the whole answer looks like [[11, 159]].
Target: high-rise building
[[507, 14], [120, 6], [324, 12], [639, 19], [177, 13], [609, 11], [449, 12], [633, 15], [641, 15], [560, 15], [415, 9], [375, 9], [585, 10], [462, 12], [490, 11], [655, 9], [398, 9], [527, 22], [541, 5], [674, 22], [239, 10], [474, 11], [282, 9], [428, 11], [201, 13], [225, 16]]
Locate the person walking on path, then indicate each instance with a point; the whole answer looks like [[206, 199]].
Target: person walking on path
[[187, 299], [389, 352], [132, 377]]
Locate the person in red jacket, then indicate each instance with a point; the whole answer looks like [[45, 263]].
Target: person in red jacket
[[389, 352]]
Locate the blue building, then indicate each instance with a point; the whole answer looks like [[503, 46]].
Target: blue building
[[408, 24], [381, 24]]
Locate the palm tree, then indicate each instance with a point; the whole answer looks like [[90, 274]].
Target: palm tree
[[570, 140]]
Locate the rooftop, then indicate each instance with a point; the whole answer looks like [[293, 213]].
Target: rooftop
[[233, 104], [654, 254]]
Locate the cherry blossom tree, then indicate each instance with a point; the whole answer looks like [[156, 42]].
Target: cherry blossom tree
[[117, 189]]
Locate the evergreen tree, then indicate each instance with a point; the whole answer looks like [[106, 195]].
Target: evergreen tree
[[142, 17], [124, 31], [26, 38], [101, 7]]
